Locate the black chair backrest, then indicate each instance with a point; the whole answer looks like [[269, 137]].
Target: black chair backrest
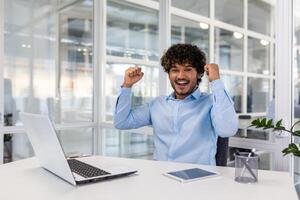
[[222, 151]]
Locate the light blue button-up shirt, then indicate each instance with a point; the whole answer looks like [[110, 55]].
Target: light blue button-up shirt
[[184, 130]]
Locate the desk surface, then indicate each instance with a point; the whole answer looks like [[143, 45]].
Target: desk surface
[[26, 180]]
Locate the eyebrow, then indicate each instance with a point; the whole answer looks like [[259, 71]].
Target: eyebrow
[[188, 65]]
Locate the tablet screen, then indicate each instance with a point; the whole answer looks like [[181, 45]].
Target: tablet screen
[[191, 173]]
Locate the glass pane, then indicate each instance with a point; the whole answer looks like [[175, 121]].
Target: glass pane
[[16, 147], [260, 14], [29, 65], [258, 56], [296, 66], [297, 90], [297, 24], [127, 144], [199, 7], [192, 32], [143, 91], [76, 141], [230, 11], [76, 64], [252, 134], [234, 86], [132, 31], [229, 49], [34, 79], [258, 94], [203, 86], [296, 83]]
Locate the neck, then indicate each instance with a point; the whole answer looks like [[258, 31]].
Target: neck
[[178, 96]]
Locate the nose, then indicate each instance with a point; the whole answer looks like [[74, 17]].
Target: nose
[[181, 74]]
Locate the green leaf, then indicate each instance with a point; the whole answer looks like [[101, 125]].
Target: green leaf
[[254, 122], [259, 126], [286, 151], [278, 124], [296, 133], [270, 123], [263, 122], [292, 148]]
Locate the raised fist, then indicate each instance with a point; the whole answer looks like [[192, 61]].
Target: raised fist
[[212, 71], [132, 75]]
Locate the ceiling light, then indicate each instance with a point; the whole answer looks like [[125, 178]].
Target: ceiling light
[[264, 42], [237, 35], [203, 25], [78, 49], [266, 72], [24, 45], [84, 49], [28, 46]]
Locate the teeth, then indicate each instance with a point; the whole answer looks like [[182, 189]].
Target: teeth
[[182, 82]]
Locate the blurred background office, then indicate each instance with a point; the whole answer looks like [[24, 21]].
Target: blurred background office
[[66, 59]]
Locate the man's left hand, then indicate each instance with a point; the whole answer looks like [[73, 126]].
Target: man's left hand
[[212, 71]]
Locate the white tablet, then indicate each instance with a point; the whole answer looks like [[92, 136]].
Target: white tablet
[[188, 175]]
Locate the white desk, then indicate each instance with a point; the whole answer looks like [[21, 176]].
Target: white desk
[[26, 180]]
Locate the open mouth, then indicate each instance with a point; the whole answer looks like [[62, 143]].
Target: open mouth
[[182, 83]]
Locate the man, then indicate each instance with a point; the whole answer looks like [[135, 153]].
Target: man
[[186, 123]]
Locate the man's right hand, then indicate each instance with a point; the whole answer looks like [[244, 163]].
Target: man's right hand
[[132, 75]]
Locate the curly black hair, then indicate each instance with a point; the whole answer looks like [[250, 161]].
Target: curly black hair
[[184, 54]]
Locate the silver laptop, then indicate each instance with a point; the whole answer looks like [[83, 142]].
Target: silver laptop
[[50, 154]]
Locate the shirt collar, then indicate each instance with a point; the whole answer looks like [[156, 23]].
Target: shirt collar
[[195, 95]]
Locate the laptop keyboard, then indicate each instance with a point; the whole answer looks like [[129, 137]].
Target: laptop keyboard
[[84, 169]]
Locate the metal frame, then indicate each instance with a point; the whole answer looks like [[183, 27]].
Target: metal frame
[[164, 40], [284, 57], [116, 59], [245, 61], [212, 32], [57, 61], [99, 67]]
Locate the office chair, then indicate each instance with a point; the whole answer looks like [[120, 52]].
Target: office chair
[[222, 151]]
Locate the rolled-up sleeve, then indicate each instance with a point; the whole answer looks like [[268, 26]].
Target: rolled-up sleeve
[[223, 115], [127, 118]]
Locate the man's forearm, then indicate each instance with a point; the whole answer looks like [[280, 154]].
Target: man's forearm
[[122, 108], [127, 118], [223, 115]]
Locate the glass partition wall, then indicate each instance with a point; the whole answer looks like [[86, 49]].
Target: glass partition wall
[[49, 67], [296, 86]]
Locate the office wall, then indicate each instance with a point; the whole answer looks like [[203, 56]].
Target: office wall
[[49, 61]]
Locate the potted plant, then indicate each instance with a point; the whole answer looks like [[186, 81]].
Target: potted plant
[[268, 124]]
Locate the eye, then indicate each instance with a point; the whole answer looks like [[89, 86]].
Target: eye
[[174, 70], [188, 69]]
